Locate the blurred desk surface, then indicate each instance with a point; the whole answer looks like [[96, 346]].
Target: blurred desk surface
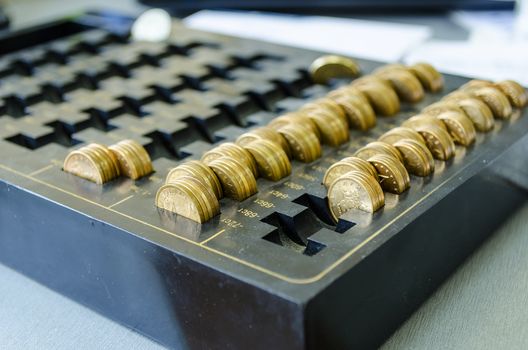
[[484, 305]]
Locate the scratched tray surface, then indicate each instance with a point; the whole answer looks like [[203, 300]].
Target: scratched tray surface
[[179, 99]]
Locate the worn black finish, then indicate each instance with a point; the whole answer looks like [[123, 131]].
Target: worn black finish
[[272, 271]]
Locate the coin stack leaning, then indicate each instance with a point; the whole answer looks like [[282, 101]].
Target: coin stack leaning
[[93, 162], [134, 161]]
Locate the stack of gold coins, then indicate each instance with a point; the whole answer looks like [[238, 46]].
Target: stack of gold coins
[[265, 133], [516, 93], [328, 106], [490, 94], [134, 161], [346, 165], [238, 182], [417, 158], [457, 122], [354, 190], [234, 151], [358, 110], [189, 197], [272, 162], [406, 84], [378, 147], [479, 112], [380, 94], [93, 162], [303, 143], [398, 133], [326, 68], [198, 170], [394, 177], [430, 78], [333, 130], [295, 118]]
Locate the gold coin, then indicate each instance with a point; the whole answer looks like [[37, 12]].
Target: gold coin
[[325, 68], [373, 187], [417, 158], [423, 119], [377, 147], [437, 140], [142, 154], [430, 78], [356, 105], [198, 170], [363, 165], [401, 132], [494, 98], [84, 166], [237, 180], [459, 126], [334, 131], [232, 150], [107, 160], [350, 192], [381, 95], [304, 144], [187, 197], [514, 91], [394, 177], [440, 107], [129, 164], [479, 112], [295, 118], [327, 106], [273, 163], [264, 133], [343, 166], [406, 84]]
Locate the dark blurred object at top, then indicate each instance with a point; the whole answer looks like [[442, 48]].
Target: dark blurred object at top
[[331, 6]]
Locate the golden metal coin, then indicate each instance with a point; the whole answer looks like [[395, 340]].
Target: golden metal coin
[[437, 140], [394, 177], [430, 78], [399, 133], [356, 105], [459, 126], [406, 84], [479, 112], [107, 159], [188, 197], [378, 147], [326, 68], [134, 161], [350, 192], [494, 98], [374, 187], [198, 170], [304, 144], [326, 105], [237, 180], [346, 165], [380, 94], [84, 166], [297, 118], [234, 151], [440, 107], [417, 158], [273, 163], [141, 152], [423, 119], [515, 92], [264, 133], [333, 130]]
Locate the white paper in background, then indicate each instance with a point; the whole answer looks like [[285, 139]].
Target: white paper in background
[[486, 25], [367, 39], [494, 61]]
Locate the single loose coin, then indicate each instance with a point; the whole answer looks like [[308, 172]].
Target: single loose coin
[[199, 170], [394, 177], [430, 78], [437, 140], [237, 180], [265, 133], [377, 147], [328, 67], [515, 92], [304, 144], [273, 163], [459, 126], [380, 94], [401, 132], [349, 192], [417, 158], [406, 84]]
